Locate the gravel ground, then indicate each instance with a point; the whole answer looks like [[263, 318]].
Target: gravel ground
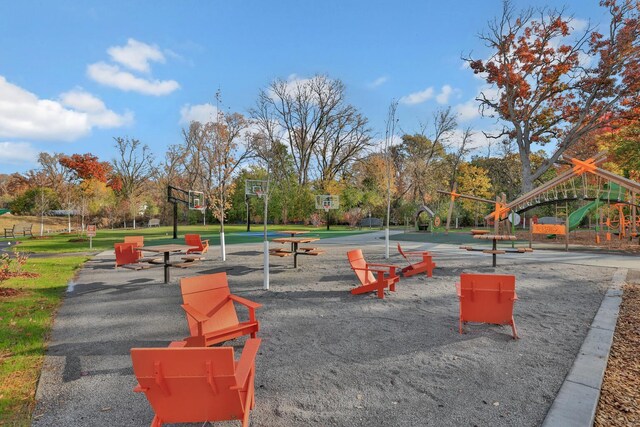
[[329, 357]]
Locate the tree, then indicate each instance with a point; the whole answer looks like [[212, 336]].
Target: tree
[[312, 117], [133, 167], [547, 90], [87, 167]]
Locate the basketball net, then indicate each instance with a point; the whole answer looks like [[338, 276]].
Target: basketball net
[[326, 206], [259, 193]]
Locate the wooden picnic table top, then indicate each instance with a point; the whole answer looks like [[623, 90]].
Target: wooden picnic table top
[[293, 232], [494, 237], [295, 239], [166, 248]]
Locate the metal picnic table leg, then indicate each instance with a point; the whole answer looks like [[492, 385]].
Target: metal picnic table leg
[[495, 247], [166, 268], [294, 249]]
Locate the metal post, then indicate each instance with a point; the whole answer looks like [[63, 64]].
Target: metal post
[[246, 200], [175, 220], [495, 248]]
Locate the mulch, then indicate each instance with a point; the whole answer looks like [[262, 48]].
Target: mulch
[[620, 396]]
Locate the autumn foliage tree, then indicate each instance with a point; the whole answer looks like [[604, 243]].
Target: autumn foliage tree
[[555, 87]]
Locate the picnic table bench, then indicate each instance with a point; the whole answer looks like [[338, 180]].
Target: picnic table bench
[[494, 251], [19, 229], [295, 249]]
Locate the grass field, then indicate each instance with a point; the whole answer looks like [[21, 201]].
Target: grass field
[[61, 243], [26, 317]]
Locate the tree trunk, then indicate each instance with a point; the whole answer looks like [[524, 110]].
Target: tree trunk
[[527, 176]]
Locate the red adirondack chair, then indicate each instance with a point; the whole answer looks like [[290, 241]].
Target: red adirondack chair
[[197, 384], [487, 298], [424, 266], [385, 275], [127, 256], [202, 246], [211, 313], [138, 241]]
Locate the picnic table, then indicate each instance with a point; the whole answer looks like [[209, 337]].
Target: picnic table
[[166, 250], [494, 251], [295, 248]]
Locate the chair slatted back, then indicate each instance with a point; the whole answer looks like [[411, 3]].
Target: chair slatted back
[[137, 240], [209, 294], [126, 253], [356, 260], [189, 384], [194, 240], [402, 253], [487, 297]]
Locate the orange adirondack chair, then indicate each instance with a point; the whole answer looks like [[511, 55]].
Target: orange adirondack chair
[[424, 266], [197, 384], [137, 240], [385, 277], [127, 256], [211, 313], [194, 240], [487, 298]]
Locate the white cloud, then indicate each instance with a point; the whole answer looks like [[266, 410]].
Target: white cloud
[[136, 55], [417, 97], [112, 75], [23, 115], [17, 153], [468, 110], [443, 96], [96, 111], [378, 82], [202, 113]]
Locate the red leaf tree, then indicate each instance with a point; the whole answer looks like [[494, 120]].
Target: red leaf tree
[[555, 87]]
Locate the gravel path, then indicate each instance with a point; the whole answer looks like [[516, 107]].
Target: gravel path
[[329, 357]]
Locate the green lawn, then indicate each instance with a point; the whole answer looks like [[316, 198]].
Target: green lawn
[[25, 323], [158, 235]]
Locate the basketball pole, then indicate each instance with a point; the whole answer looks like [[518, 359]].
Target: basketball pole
[[265, 284]]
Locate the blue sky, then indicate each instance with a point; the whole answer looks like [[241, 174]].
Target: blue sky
[[75, 74]]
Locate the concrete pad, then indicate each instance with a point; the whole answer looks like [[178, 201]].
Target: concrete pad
[[575, 406]]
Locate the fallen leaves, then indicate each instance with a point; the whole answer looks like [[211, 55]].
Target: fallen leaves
[[619, 403]]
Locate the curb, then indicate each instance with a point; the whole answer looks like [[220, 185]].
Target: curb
[[577, 400]]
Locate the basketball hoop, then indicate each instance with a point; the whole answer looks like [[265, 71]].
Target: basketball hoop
[[259, 193], [326, 208], [200, 208]]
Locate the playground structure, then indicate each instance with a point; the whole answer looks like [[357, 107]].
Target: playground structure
[[596, 185]]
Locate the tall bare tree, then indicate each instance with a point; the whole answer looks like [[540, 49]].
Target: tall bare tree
[[133, 166], [312, 117]]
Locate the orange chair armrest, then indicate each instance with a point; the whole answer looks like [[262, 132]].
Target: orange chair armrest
[[244, 301], [515, 296], [191, 311], [373, 270], [247, 362], [418, 253], [383, 265]]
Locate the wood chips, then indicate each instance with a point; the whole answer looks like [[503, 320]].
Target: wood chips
[[619, 403]]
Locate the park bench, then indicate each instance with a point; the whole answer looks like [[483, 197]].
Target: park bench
[[425, 266], [487, 298], [19, 229], [195, 384], [155, 222], [385, 277], [211, 313], [280, 252]]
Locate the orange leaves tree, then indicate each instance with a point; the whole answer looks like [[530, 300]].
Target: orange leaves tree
[[555, 87]]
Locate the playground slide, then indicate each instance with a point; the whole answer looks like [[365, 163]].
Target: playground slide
[[613, 192], [577, 216]]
